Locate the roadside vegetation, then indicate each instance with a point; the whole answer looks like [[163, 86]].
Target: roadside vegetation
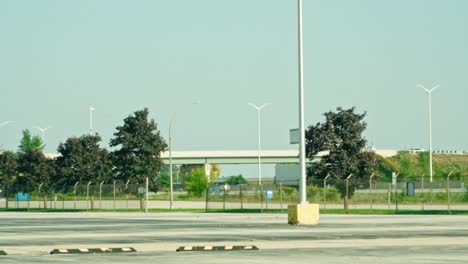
[[84, 165]]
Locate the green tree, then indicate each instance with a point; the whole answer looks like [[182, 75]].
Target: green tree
[[29, 142], [215, 170], [341, 135], [406, 167], [424, 162], [162, 181], [83, 160], [34, 169], [196, 182], [8, 173], [385, 168], [139, 150], [237, 179]]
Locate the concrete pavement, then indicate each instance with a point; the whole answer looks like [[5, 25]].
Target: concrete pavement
[[29, 237]]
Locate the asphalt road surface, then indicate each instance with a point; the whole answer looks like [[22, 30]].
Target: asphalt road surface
[[29, 237]]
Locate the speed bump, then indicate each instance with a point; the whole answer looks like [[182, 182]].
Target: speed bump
[[216, 248], [3, 253], [93, 250]]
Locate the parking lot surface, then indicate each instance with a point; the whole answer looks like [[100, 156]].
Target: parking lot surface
[[29, 237]]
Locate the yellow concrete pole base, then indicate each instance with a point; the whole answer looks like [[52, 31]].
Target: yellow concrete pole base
[[303, 214]]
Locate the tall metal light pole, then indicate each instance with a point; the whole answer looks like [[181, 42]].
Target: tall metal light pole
[[91, 109], [43, 130], [302, 184], [171, 183], [259, 108], [429, 92]]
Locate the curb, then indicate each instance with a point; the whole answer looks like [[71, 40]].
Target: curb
[[216, 248], [92, 250], [3, 253]]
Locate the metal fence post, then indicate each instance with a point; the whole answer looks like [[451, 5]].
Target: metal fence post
[[241, 198], [261, 198], [126, 191], [147, 190], [388, 195], [74, 195], [422, 192], [87, 195], [281, 196], [432, 192], [395, 185], [100, 194], [114, 195], [63, 198], [370, 190], [206, 199], [39, 195], [224, 197], [346, 202], [324, 191], [448, 192]]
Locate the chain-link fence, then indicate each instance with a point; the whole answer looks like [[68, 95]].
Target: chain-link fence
[[269, 195]]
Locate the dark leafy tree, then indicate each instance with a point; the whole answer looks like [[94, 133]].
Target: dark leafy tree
[[234, 180], [139, 146], [341, 135], [33, 168], [8, 173], [83, 160], [29, 142]]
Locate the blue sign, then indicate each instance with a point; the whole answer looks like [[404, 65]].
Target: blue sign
[[269, 194], [22, 197]]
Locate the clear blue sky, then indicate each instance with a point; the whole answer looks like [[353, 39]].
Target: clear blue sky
[[59, 57]]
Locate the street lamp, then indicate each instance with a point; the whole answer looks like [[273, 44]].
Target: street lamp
[[171, 184], [259, 108], [429, 92], [43, 130]]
